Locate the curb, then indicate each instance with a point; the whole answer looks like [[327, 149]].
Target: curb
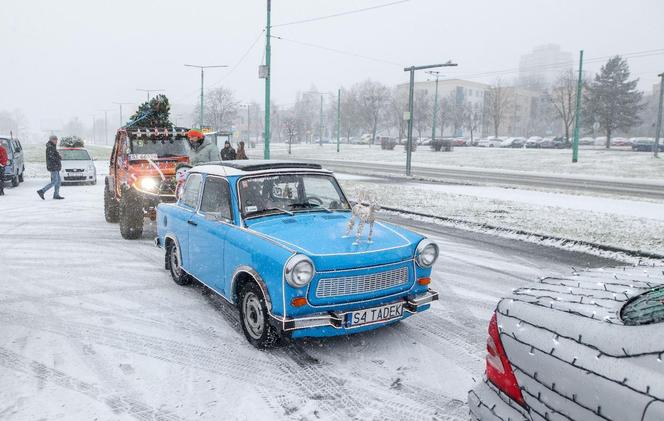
[[562, 240]]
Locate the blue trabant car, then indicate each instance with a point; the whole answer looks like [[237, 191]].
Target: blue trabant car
[[271, 237]]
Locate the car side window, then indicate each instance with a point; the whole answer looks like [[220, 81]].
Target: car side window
[[191, 189], [216, 198]]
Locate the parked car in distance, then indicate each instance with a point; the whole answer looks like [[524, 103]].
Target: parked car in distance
[[15, 165], [533, 142], [584, 347], [460, 141], [141, 174], [442, 144], [620, 141], [77, 166], [600, 141], [272, 238], [513, 142], [489, 142], [645, 144], [586, 141]]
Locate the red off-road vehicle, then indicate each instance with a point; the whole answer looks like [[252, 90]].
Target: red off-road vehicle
[[142, 175]]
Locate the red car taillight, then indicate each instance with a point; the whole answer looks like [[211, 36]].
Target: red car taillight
[[498, 368]]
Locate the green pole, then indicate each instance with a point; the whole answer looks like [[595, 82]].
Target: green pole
[[200, 121], [659, 115], [435, 112], [579, 86], [409, 142], [338, 117], [320, 139], [266, 148]]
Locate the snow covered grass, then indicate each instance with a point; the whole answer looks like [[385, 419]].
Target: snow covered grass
[[593, 161], [599, 223]]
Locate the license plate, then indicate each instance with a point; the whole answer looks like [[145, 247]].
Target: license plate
[[375, 314]]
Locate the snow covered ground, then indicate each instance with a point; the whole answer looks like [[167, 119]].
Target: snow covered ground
[[630, 224], [92, 327], [593, 161]]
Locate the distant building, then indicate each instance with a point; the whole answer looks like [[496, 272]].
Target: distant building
[[541, 67], [459, 90]]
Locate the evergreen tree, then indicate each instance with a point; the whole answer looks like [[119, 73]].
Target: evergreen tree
[[612, 99], [153, 113]]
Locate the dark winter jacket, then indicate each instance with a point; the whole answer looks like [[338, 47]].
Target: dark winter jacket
[[228, 153], [53, 157], [241, 154]]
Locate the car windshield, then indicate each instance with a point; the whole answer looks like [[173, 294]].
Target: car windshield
[[162, 148], [5, 144], [75, 155], [290, 193]]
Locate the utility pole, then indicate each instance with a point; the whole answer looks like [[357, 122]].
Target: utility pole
[[435, 105], [94, 117], [320, 126], [268, 76], [248, 117], [659, 114], [200, 119], [121, 104], [338, 117], [106, 125], [411, 88], [150, 90], [577, 119]]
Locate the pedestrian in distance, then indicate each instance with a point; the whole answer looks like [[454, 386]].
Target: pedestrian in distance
[[201, 150], [241, 153], [3, 164], [228, 153], [53, 165]]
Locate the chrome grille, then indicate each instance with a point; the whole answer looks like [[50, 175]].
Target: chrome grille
[[350, 285]]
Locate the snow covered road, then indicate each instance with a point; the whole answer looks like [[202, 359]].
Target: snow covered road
[[92, 327]]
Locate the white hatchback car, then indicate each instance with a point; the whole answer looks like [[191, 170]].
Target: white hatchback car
[[77, 166]]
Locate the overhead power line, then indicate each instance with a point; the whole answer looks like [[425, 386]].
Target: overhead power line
[[335, 15], [334, 50]]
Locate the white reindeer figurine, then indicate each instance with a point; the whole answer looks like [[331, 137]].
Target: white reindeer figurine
[[365, 210]]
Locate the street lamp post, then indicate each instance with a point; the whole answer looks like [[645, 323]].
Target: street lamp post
[[200, 120], [105, 125], [147, 91], [435, 105], [411, 88], [320, 140], [338, 117], [659, 114], [121, 104]]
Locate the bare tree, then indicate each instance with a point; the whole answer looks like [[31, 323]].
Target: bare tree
[[563, 98], [472, 118], [221, 108], [497, 102], [372, 101], [422, 112]]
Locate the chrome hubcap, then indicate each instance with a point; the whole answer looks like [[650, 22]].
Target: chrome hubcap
[[253, 315]]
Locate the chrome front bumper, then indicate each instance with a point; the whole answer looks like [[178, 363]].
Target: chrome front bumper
[[337, 319]]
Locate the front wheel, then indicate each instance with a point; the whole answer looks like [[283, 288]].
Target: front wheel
[[131, 215], [20, 176], [111, 209], [15, 181], [255, 318], [173, 261]]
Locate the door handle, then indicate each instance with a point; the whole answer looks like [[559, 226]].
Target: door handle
[[190, 222]]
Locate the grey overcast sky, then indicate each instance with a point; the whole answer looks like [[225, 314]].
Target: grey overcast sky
[[65, 58]]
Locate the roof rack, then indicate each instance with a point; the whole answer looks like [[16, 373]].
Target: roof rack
[[259, 165], [157, 133]]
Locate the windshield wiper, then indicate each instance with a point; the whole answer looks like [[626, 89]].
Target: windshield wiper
[[309, 206], [262, 211]]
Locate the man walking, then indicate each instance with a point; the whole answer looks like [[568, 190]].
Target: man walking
[[54, 166], [3, 164]]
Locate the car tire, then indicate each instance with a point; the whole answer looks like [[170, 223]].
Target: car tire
[[20, 176], [254, 317], [15, 180], [111, 210], [179, 276], [131, 215]]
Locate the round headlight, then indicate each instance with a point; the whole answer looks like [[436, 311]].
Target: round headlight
[[149, 184], [426, 254], [299, 270]]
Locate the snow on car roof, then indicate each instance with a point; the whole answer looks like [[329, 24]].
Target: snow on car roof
[[250, 166]]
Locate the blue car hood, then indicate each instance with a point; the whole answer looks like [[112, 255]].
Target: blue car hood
[[321, 237]]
